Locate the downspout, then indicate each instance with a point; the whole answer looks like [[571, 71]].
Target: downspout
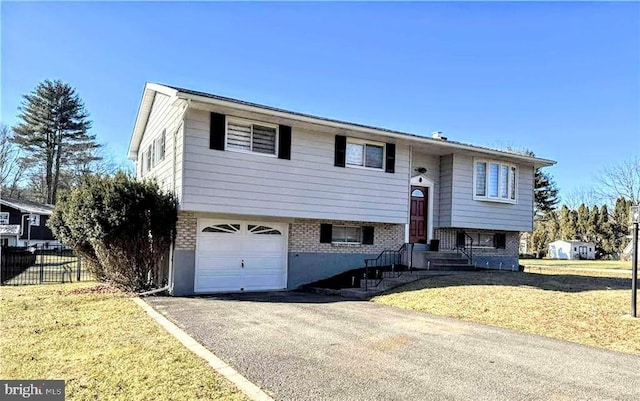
[[157, 290], [406, 226], [175, 146]]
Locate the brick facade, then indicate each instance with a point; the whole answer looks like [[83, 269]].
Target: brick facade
[[186, 231], [304, 236], [447, 237]]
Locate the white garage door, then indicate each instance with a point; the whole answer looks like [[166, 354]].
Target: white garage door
[[234, 255]]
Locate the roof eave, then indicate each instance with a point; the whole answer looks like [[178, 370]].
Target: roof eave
[[142, 117], [537, 162]]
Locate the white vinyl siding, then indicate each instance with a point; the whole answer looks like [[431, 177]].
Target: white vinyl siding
[[307, 186], [162, 135], [460, 209], [247, 136]]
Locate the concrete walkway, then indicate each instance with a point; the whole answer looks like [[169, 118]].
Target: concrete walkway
[[299, 346]]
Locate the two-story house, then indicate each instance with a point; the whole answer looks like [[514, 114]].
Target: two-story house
[[273, 199], [23, 223]]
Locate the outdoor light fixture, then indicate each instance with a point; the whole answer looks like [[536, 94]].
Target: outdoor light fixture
[[420, 170]]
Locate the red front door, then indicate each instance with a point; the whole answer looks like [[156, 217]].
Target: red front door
[[418, 215]]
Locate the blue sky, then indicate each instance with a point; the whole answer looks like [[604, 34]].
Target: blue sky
[[562, 79]]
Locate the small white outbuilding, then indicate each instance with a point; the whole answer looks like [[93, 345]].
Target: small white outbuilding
[[572, 250]]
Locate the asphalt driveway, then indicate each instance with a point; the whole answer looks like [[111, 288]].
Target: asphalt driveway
[[300, 346]]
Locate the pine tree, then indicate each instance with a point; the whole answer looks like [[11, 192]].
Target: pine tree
[[582, 222], [54, 133], [592, 226], [545, 192], [620, 224], [568, 220]]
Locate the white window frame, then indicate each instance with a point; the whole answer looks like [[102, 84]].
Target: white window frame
[[359, 242], [243, 121], [160, 143], [4, 218], [364, 142], [511, 169]]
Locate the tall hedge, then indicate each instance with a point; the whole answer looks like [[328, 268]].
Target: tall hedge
[[121, 226]]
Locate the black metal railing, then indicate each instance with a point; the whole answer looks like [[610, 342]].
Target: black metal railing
[[389, 258], [466, 246], [38, 264]]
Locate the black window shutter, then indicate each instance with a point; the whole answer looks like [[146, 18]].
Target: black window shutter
[[341, 150], [367, 235], [460, 239], [217, 131], [391, 158], [501, 240], [284, 145], [326, 233]]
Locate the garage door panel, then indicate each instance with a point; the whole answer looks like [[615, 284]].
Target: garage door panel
[[260, 246], [218, 264], [219, 283], [219, 257], [221, 244]]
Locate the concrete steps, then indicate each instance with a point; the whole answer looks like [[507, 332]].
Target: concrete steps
[[447, 261], [388, 283]]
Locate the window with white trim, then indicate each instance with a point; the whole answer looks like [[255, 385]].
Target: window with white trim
[[495, 181], [148, 159], [364, 154], [159, 148], [249, 136], [4, 218], [346, 235]]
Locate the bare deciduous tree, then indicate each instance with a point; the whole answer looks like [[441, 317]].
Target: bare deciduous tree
[[581, 195], [11, 166], [620, 180]]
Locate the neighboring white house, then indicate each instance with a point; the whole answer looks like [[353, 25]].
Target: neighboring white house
[[572, 250], [273, 199]]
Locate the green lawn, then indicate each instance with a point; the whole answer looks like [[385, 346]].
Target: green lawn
[[102, 344], [591, 264], [583, 307]]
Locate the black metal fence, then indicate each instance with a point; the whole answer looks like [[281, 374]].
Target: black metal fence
[[40, 264]]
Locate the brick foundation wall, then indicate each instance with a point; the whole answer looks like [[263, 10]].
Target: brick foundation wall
[[186, 231], [447, 237], [304, 236]]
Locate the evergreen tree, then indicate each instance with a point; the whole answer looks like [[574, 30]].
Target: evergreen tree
[[54, 133], [592, 226], [604, 230], [553, 226], [545, 192], [620, 224], [567, 223], [582, 225]]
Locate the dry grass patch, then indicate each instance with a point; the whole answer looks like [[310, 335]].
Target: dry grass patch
[[102, 344], [566, 305], [591, 264]]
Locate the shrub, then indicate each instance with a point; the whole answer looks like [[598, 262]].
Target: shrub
[[122, 226]]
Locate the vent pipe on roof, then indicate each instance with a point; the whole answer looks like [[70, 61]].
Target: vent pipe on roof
[[438, 135]]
